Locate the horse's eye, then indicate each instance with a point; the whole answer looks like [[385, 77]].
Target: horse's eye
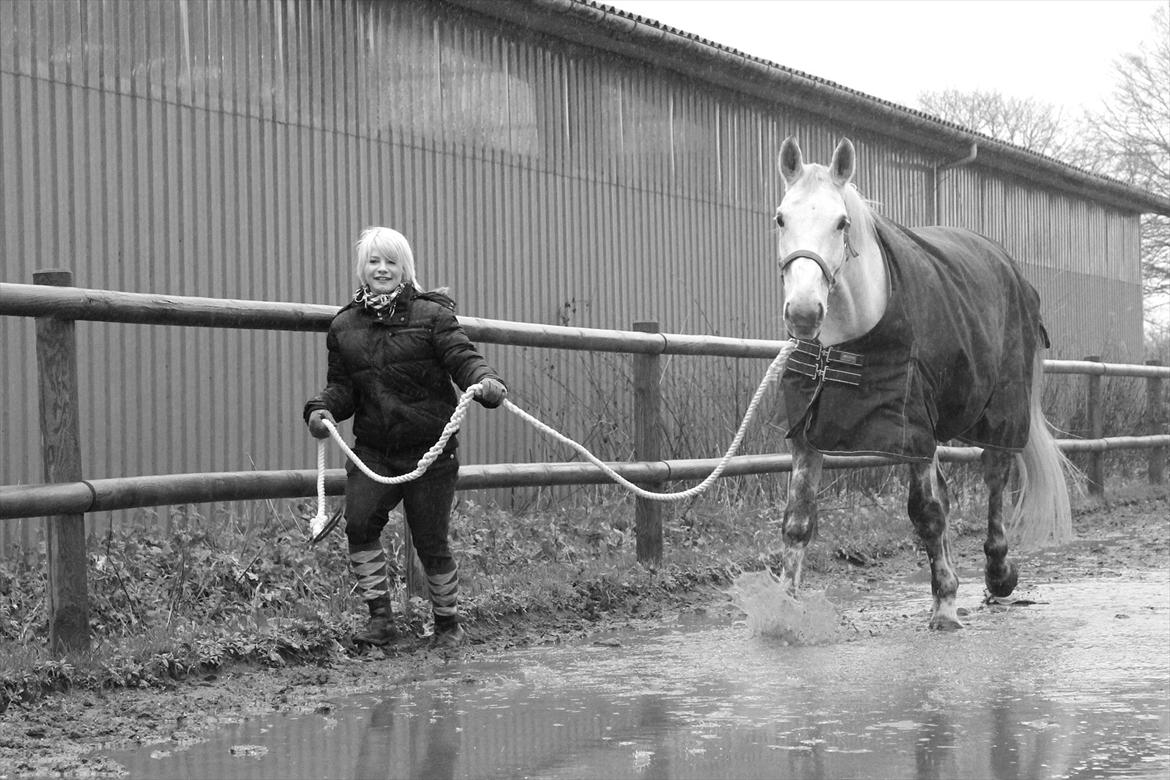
[[843, 224], [779, 220]]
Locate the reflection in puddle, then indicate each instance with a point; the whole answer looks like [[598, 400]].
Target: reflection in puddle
[[1076, 686]]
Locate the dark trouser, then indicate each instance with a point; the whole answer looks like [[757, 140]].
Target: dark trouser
[[426, 502]]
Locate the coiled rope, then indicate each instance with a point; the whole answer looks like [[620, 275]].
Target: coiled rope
[[321, 525]]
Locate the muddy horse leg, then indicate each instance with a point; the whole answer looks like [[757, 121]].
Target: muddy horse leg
[[999, 574], [927, 507], [800, 513]]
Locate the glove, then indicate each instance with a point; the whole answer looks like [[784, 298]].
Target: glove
[[492, 393], [316, 424]]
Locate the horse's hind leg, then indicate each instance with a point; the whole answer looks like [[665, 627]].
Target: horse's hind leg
[[927, 507], [800, 513], [999, 574]]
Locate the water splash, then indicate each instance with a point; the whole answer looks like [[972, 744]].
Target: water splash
[[772, 612]]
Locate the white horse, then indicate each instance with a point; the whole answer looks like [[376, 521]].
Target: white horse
[[908, 338]]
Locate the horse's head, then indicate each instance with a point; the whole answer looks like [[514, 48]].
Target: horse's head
[[814, 222]]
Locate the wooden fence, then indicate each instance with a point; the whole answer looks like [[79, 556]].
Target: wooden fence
[[66, 496]]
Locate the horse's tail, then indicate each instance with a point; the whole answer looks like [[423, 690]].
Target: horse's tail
[[1043, 512]]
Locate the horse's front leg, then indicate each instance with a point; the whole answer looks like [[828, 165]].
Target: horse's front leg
[[800, 513], [927, 507], [999, 574]]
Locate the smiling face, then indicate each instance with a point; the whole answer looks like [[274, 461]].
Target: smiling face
[[384, 260], [382, 272]]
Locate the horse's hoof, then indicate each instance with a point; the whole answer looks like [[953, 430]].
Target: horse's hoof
[[792, 563], [945, 623], [946, 616], [1004, 584]]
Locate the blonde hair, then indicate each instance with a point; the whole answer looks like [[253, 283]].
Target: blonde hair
[[388, 242]]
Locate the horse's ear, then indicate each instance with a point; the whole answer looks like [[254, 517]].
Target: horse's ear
[[791, 161], [844, 163]]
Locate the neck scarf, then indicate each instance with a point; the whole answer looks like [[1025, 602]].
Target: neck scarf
[[379, 304]]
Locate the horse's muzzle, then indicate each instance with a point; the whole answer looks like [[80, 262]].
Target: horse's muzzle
[[803, 320]]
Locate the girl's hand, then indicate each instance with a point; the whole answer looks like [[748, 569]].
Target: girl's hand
[[492, 393], [316, 424]]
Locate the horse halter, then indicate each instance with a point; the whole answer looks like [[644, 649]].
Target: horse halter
[[830, 277]]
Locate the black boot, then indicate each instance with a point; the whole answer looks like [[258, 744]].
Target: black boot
[[380, 630], [449, 634]]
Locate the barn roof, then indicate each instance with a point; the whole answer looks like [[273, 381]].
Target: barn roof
[[607, 28]]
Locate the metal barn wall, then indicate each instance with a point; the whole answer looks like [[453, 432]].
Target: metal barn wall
[[1083, 257], [236, 149]]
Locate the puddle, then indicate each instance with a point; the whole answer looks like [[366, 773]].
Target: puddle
[[1074, 685]]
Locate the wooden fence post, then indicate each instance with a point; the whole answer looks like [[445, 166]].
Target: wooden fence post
[[67, 591], [1155, 418], [648, 447], [1096, 423]]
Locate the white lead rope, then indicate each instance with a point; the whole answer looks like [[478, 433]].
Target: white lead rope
[[321, 525]]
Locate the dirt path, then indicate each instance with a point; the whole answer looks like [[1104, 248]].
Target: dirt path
[[55, 736]]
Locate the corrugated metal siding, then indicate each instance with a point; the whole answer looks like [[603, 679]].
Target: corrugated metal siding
[[1084, 258], [235, 150]]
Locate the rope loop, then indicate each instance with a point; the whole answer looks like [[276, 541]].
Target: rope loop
[[321, 525]]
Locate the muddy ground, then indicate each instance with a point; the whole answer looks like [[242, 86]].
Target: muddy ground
[[56, 736]]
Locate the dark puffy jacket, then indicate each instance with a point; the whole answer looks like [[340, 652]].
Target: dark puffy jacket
[[393, 373]]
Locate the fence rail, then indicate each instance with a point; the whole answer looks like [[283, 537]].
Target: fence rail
[[77, 303], [107, 495], [66, 497]]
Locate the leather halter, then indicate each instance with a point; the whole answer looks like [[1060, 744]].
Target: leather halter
[[830, 277]]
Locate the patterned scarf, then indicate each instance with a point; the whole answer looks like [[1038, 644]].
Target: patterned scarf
[[379, 304]]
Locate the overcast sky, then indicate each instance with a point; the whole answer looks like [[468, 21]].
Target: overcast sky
[[1058, 51]]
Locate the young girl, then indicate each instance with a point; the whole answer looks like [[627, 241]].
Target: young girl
[[393, 352]]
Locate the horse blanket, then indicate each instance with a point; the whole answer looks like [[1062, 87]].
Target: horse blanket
[[951, 358]]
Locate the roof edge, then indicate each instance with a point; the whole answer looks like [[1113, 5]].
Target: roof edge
[[635, 37]]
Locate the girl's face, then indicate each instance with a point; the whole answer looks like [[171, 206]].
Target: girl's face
[[383, 273]]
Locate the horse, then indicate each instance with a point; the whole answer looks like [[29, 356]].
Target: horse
[[906, 339]]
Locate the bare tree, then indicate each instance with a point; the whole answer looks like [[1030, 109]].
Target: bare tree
[[1129, 140], [1037, 126], [1133, 135]]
